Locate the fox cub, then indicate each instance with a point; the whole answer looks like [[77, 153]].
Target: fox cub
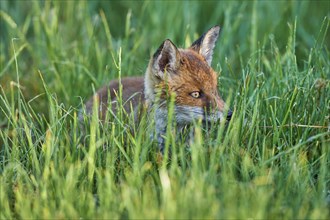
[[185, 72]]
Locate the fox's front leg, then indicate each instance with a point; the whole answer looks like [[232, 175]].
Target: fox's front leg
[[161, 141], [161, 123]]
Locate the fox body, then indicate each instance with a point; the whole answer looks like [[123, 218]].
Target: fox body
[[186, 73]]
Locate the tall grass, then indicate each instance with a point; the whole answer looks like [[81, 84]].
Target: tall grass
[[270, 161]]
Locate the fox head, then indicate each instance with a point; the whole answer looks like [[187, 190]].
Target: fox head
[[188, 74]]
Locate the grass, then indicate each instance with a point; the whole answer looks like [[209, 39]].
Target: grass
[[270, 161]]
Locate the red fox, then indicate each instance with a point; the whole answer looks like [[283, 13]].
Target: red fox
[[185, 72]]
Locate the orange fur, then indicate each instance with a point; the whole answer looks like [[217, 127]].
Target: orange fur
[[132, 95]]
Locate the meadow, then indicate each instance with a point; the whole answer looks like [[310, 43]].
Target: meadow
[[271, 161]]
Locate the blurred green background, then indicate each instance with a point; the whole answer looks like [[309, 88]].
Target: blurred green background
[[72, 43]]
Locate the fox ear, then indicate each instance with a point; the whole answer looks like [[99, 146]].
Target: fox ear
[[206, 43], [166, 58]]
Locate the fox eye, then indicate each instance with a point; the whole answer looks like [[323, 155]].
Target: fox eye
[[195, 94]]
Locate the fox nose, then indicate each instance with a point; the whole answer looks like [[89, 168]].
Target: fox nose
[[229, 114]]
